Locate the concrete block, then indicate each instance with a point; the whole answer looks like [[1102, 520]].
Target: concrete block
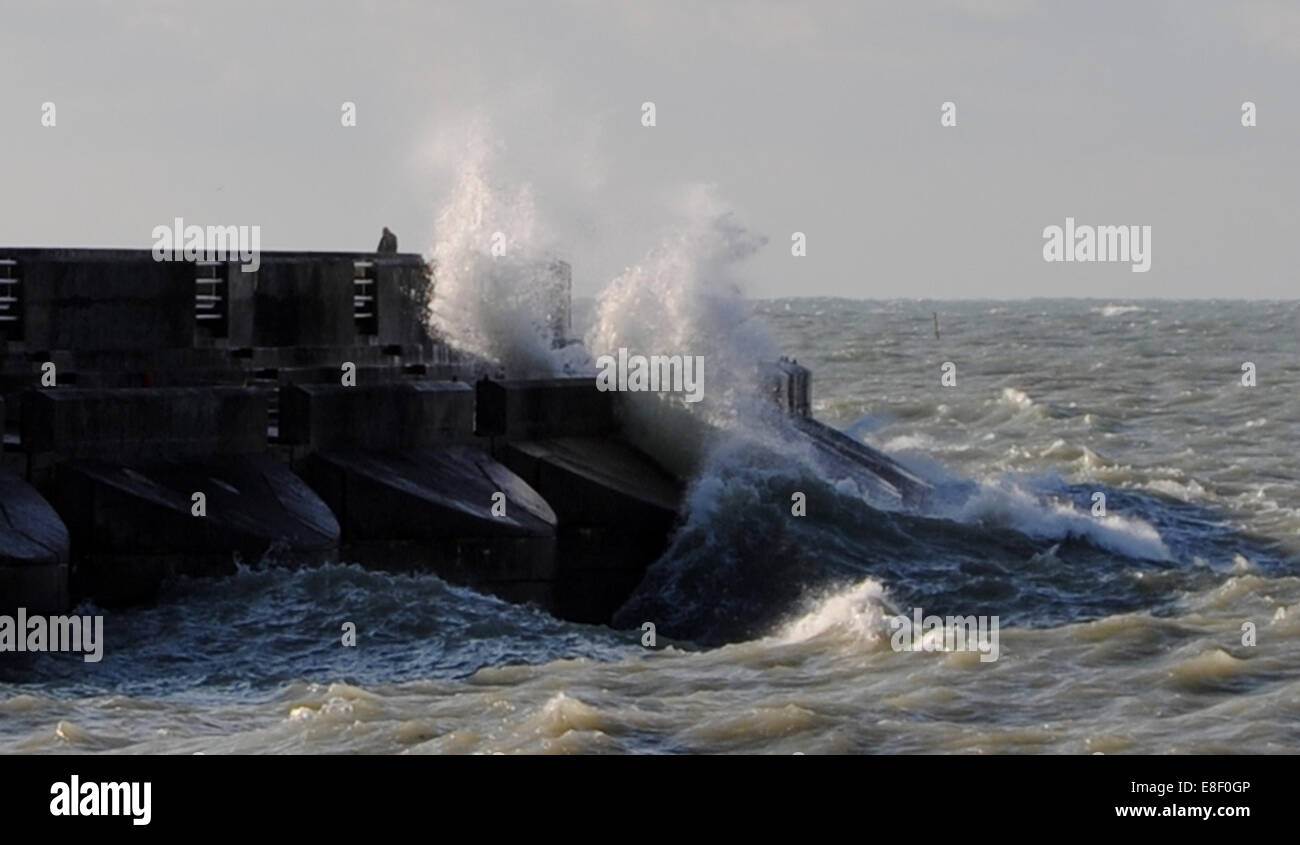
[[34, 550], [144, 422], [597, 481], [431, 511], [615, 508], [425, 494], [396, 416], [541, 408], [133, 525]]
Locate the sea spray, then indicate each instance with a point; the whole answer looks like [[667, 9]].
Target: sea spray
[[495, 291], [685, 298]]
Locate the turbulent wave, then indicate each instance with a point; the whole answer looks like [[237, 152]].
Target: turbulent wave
[[1006, 503], [1028, 549], [267, 624], [857, 613]]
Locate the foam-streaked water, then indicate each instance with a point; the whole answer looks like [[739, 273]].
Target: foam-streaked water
[[1122, 634]]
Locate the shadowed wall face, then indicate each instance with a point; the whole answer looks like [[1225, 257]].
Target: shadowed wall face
[[107, 303], [145, 424], [301, 303], [93, 300]]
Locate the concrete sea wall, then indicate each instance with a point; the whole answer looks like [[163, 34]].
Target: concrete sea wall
[[166, 418]]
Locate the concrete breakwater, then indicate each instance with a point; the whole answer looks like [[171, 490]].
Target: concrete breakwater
[[166, 418]]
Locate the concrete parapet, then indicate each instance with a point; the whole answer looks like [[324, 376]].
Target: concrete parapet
[[102, 299]]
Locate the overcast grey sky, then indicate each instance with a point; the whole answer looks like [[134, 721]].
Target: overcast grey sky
[[813, 117]]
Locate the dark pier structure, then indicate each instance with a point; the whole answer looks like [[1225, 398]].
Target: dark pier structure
[[167, 418]]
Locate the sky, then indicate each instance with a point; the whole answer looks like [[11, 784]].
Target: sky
[[812, 117]]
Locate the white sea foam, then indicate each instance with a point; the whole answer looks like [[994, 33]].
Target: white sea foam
[[1187, 491], [1006, 504], [1117, 310], [857, 612], [1015, 397]]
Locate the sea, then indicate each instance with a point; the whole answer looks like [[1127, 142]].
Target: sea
[[1167, 623]]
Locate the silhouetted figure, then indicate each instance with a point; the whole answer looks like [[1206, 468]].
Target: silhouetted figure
[[387, 242]]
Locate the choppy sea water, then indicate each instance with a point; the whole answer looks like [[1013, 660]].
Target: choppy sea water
[[1119, 634]]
